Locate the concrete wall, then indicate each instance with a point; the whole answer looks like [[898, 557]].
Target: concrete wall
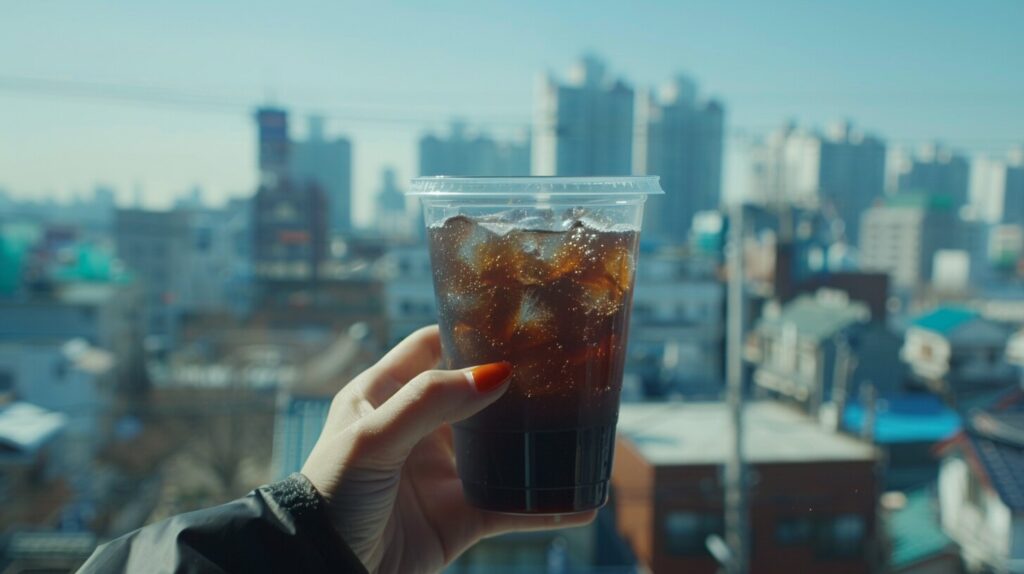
[[982, 531]]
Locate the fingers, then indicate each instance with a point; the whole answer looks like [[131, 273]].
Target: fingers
[[420, 351], [495, 523], [430, 400]]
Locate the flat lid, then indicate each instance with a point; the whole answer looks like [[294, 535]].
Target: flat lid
[[445, 186]]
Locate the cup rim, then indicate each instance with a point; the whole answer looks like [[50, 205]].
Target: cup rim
[[455, 186]]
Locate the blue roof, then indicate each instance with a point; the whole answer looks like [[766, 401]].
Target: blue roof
[[997, 436], [945, 319], [1004, 463], [911, 418]]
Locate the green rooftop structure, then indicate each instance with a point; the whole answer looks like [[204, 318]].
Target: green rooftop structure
[[815, 317], [15, 241], [920, 200], [90, 263], [915, 536], [807, 351]]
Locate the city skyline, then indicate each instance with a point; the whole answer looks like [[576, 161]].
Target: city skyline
[[171, 114]]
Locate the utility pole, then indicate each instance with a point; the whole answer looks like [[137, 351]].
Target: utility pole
[[736, 508]]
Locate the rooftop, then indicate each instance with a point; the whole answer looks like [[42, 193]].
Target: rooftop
[[921, 418], [914, 530], [670, 434], [51, 543], [817, 316], [945, 319], [920, 200], [995, 436], [1004, 464], [26, 427], [1015, 349]]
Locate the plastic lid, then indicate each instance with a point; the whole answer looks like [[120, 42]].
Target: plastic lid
[[445, 186]]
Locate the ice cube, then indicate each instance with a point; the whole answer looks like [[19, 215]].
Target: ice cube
[[534, 323], [600, 297], [472, 346], [474, 239], [498, 228], [537, 258]]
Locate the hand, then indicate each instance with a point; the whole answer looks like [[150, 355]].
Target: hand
[[386, 467]]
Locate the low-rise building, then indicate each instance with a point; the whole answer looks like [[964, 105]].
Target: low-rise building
[[957, 352], [101, 315], [1015, 353], [981, 487], [677, 328], [32, 490], [812, 500], [819, 350], [303, 403], [408, 291], [906, 428]]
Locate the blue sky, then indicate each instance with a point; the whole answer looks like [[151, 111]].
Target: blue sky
[[386, 71]]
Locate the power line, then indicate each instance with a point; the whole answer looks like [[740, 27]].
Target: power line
[[162, 96]]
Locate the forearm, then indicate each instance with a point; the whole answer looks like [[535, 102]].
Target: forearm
[[281, 527]]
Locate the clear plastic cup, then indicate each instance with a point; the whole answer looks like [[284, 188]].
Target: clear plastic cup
[[537, 271]]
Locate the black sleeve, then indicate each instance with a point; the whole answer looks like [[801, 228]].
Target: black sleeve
[[282, 527]]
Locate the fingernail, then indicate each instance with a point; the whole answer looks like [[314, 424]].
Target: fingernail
[[486, 378]]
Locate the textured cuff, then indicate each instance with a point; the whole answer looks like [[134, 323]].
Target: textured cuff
[[297, 496]]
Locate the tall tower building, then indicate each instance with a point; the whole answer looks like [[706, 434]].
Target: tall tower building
[[680, 139], [583, 126], [273, 144], [326, 163], [289, 216]]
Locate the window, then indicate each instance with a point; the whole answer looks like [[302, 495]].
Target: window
[[204, 239], [793, 531], [840, 537], [808, 363], [975, 492], [686, 532], [60, 370]]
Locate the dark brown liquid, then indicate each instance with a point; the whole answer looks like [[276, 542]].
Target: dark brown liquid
[[555, 305]]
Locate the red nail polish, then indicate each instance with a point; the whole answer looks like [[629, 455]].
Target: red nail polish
[[488, 377]]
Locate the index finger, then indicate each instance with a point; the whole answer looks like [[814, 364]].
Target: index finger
[[420, 351]]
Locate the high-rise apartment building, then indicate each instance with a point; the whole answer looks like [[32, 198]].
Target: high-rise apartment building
[[1013, 191], [583, 126], [462, 152], [841, 170], [680, 139], [937, 171], [392, 217], [997, 188], [902, 236], [326, 162]]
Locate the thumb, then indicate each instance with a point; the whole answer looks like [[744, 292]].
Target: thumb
[[431, 399]]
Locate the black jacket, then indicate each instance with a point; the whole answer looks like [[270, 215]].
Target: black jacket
[[281, 527]]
